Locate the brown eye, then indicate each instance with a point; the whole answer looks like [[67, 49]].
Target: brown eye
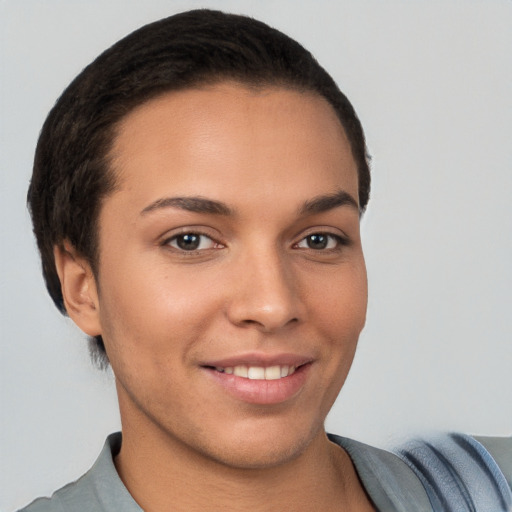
[[317, 241], [191, 242], [320, 241]]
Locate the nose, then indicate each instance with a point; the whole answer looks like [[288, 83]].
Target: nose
[[266, 293]]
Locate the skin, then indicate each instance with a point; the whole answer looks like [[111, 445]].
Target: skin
[[256, 284]]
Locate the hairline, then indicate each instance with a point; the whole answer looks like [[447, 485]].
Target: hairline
[[113, 174]]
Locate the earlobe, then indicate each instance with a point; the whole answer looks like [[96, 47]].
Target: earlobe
[[78, 287]]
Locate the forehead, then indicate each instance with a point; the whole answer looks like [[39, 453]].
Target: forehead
[[252, 139]]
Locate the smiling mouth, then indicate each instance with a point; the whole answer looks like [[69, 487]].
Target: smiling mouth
[[260, 381], [275, 372]]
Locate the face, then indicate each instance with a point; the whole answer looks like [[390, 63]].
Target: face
[[231, 283]]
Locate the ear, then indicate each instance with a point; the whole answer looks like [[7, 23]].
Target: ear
[[78, 287]]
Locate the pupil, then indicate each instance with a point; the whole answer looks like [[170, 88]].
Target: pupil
[[317, 241], [188, 242]]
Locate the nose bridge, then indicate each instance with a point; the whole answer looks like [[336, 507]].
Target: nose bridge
[[266, 293]]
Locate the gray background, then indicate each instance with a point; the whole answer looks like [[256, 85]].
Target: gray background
[[431, 81]]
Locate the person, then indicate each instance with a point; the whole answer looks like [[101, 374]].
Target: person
[[196, 199]]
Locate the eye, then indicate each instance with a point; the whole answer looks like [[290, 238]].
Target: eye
[[191, 242], [321, 241]]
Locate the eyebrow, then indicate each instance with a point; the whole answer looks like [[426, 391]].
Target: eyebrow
[[327, 202], [198, 204], [194, 204]]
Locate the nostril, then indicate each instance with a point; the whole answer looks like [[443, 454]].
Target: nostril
[[265, 303], [268, 325]]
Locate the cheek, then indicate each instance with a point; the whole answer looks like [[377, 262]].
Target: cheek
[[343, 310], [153, 311], [342, 303]]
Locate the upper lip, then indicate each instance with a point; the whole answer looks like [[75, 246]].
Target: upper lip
[[259, 359]]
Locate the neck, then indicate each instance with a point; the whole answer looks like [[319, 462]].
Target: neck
[[163, 474]]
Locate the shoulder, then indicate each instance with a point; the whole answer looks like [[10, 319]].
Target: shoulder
[[446, 472], [99, 490], [71, 497], [389, 482]]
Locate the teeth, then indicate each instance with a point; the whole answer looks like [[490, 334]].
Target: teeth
[[240, 371], [272, 373], [259, 372], [256, 373]]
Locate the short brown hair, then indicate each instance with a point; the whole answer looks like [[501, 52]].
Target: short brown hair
[[71, 174]]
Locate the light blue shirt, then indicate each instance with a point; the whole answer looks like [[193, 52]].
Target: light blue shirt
[[453, 473]]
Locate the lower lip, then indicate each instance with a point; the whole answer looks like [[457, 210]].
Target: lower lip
[[264, 392]]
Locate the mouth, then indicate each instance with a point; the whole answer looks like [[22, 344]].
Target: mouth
[[263, 381]]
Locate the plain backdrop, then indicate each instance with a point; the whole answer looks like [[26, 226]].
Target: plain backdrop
[[431, 81]]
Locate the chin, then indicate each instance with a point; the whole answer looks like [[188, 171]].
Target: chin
[[263, 448], [255, 457]]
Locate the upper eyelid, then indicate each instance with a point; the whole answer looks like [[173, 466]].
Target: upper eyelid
[[341, 239], [215, 236], [188, 230], [174, 237], [323, 230], [169, 243]]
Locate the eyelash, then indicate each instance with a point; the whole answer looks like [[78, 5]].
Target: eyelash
[[338, 241], [202, 236]]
